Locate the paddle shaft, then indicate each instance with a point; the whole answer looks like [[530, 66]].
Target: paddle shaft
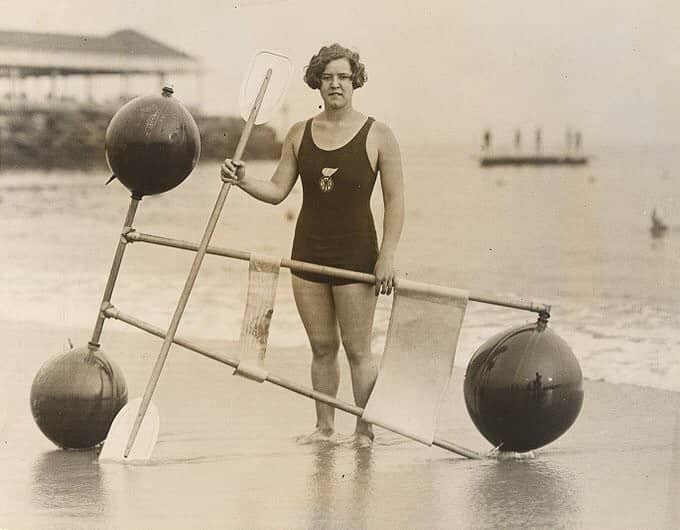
[[112, 312], [193, 273], [301, 266], [113, 273]]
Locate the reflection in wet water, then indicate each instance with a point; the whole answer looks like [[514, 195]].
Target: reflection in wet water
[[361, 484], [340, 492], [526, 494], [69, 481], [322, 484]]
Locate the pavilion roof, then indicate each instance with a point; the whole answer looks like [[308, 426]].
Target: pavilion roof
[[124, 52], [126, 41]]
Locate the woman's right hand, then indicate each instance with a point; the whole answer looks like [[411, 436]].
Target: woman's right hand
[[233, 171]]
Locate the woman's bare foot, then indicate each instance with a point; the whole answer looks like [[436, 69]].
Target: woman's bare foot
[[318, 435], [363, 439], [363, 434]]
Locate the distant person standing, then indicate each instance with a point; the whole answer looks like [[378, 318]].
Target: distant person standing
[[539, 141], [518, 140], [577, 141], [486, 146], [569, 138]]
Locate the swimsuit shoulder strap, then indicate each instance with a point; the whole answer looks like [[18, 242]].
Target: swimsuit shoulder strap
[[307, 135], [363, 132], [306, 144]]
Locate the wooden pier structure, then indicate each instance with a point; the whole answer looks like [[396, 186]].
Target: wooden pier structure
[[532, 160]]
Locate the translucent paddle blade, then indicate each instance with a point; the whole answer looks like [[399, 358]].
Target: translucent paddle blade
[[281, 68], [114, 446]]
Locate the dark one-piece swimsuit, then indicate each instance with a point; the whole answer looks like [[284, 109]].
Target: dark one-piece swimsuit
[[335, 226]]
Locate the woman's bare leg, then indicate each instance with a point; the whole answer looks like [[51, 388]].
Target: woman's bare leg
[[355, 308], [317, 310]]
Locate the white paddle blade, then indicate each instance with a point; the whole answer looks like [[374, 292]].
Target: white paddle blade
[[281, 68], [114, 446]]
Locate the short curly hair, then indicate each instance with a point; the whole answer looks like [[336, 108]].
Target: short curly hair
[[317, 64]]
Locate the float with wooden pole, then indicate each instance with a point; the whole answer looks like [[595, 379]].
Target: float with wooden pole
[[522, 387]]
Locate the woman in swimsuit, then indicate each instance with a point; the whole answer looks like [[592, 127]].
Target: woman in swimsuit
[[337, 154]]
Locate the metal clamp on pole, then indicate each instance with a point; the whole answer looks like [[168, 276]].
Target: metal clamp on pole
[[108, 310], [543, 317], [125, 235]]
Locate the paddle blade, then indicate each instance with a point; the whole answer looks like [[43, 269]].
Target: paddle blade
[[114, 446], [281, 68]]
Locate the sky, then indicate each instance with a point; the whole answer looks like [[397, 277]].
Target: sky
[[440, 71]]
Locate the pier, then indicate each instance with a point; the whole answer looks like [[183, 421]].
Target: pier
[[529, 160], [571, 155]]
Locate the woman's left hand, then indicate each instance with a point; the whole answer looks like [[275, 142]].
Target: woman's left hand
[[384, 276]]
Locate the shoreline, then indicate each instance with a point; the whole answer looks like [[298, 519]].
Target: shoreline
[[10, 328], [618, 464]]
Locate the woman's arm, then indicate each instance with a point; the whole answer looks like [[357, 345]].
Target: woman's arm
[[276, 189], [392, 183]]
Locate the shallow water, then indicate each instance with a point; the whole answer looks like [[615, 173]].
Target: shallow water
[[576, 238], [228, 454]]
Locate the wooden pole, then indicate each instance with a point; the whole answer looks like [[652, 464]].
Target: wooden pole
[[193, 273], [301, 266], [113, 274], [112, 312]]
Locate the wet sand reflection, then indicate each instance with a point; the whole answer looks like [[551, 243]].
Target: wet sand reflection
[[69, 481], [526, 494], [340, 488]]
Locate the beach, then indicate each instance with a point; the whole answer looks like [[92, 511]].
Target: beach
[[229, 453], [228, 457]]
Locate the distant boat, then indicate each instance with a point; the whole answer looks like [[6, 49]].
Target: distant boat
[[529, 160]]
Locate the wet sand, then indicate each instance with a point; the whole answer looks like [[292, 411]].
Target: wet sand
[[227, 456]]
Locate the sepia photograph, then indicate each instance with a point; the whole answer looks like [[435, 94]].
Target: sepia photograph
[[284, 264]]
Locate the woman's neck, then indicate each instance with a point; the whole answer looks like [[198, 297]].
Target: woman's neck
[[338, 115]]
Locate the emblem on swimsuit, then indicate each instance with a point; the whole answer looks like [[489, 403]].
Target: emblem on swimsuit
[[326, 182]]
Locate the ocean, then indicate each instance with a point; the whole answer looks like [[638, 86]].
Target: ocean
[[576, 238]]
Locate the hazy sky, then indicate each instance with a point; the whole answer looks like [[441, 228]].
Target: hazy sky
[[439, 70]]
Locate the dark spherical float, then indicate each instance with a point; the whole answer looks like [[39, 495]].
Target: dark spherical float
[[523, 388], [76, 395], [152, 144]]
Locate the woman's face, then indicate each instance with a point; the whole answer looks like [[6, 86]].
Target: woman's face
[[336, 84]]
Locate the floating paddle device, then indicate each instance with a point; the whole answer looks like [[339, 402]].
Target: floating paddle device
[[522, 387], [430, 359]]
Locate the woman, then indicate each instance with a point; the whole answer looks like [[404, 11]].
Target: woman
[[338, 154]]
